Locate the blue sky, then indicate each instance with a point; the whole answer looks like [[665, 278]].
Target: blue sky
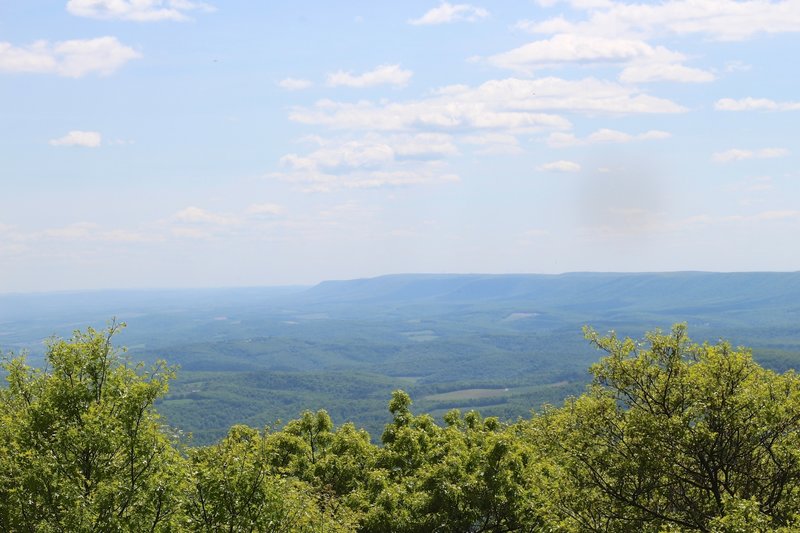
[[177, 143]]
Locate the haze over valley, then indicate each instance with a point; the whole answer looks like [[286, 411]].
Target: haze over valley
[[504, 344]]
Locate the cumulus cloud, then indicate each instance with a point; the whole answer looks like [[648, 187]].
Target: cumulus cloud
[[730, 20], [514, 105], [573, 48], [370, 161], [559, 166], [604, 135], [645, 63], [382, 75], [89, 139], [294, 84], [196, 215], [72, 59], [754, 104], [136, 10], [447, 12], [737, 154]]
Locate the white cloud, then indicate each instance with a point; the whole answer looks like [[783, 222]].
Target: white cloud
[[401, 175], [737, 66], [764, 216], [572, 48], [604, 135], [136, 10], [72, 231], [37, 57], [89, 139], [719, 19], [294, 84], [371, 161], [73, 59], [653, 135], [651, 72], [559, 166], [692, 222], [494, 143], [382, 75], [196, 215], [89, 231], [348, 154], [645, 63], [511, 104], [125, 236], [737, 154], [423, 145], [447, 12], [755, 104]]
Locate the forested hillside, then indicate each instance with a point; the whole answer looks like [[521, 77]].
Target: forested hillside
[[504, 344], [670, 436]]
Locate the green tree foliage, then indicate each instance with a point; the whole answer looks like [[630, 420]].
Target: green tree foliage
[[473, 474], [670, 436], [82, 448], [232, 488], [675, 435]]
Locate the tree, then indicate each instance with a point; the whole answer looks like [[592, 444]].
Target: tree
[[474, 475], [232, 489], [82, 447], [675, 435]]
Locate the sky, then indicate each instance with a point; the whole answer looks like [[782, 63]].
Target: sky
[[179, 143]]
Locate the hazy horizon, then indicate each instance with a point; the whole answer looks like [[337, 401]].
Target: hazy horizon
[[299, 286], [168, 144]]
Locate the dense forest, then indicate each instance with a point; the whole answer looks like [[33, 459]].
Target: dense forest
[[500, 344], [669, 436]]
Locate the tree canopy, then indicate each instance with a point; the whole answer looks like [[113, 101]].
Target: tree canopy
[[670, 436]]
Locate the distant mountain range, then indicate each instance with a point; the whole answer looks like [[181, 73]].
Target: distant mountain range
[[501, 343], [666, 288]]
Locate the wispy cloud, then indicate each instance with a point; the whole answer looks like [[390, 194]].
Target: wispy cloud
[[89, 232], [73, 59], [754, 104], [370, 162], [643, 62], [494, 143], [382, 75], [738, 154], [89, 139], [294, 84], [446, 13], [512, 105], [725, 20], [136, 10], [197, 215], [559, 166], [604, 135]]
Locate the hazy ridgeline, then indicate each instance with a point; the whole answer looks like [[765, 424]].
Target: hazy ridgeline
[[504, 344]]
